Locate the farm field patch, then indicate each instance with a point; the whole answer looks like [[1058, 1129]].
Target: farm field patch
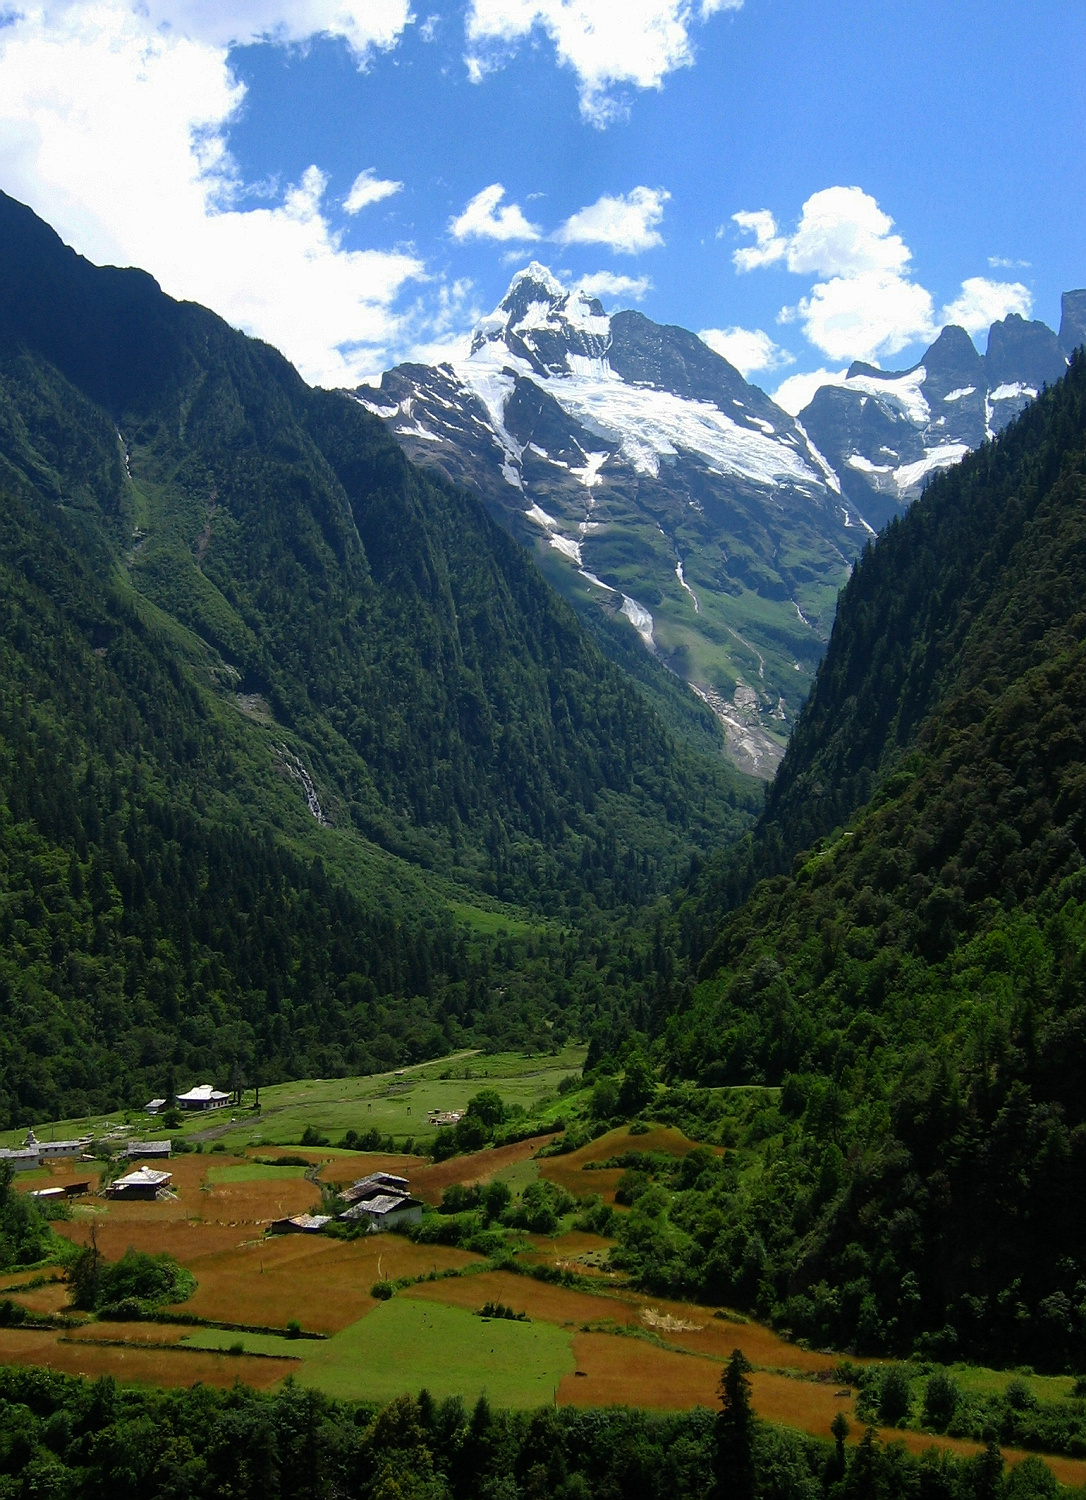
[[405, 1344], [253, 1171], [324, 1284], [71, 1355]]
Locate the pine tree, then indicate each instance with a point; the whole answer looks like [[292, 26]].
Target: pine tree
[[733, 1455]]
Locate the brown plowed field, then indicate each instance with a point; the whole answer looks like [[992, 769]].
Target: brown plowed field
[[541, 1301], [58, 1174], [631, 1372], [186, 1239], [160, 1367], [324, 1284], [131, 1333], [44, 1299], [257, 1203]]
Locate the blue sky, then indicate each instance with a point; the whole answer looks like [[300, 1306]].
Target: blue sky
[[217, 144]]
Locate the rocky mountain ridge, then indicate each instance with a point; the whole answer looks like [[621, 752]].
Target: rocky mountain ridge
[[886, 432], [663, 493]]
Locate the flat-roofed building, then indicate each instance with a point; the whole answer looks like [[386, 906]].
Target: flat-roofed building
[[22, 1159], [203, 1096]]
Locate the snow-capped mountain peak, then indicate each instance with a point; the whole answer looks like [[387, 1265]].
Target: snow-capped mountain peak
[[544, 324], [653, 483]]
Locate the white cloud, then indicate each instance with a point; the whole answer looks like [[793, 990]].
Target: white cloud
[[484, 220], [608, 284], [768, 244], [793, 394], [605, 43], [748, 349], [113, 127], [1002, 263], [626, 223], [368, 188], [866, 316], [865, 303], [983, 302], [362, 24]]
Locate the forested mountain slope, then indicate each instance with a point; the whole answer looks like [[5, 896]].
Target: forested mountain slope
[[916, 981], [252, 662]]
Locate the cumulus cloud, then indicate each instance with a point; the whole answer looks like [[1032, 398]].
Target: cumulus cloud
[[484, 220], [865, 303], [748, 349], [605, 44], [113, 126], [983, 302], [368, 188], [609, 284], [793, 394], [625, 223]]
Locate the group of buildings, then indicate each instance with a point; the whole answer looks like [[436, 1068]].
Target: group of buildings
[[380, 1201]]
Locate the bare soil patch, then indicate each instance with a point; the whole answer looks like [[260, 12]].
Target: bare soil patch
[[540, 1300], [157, 1367]]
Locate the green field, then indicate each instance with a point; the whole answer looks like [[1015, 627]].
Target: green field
[[395, 1103], [404, 1345], [253, 1171]]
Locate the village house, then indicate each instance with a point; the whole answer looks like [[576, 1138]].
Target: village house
[[445, 1116], [65, 1190], [144, 1182], [149, 1148], [386, 1211], [383, 1200], [300, 1224], [56, 1150], [371, 1186], [22, 1160], [154, 1106], [203, 1096]]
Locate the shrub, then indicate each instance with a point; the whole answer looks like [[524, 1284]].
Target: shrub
[[941, 1397], [129, 1286], [311, 1136], [895, 1396], [604, 1102], [382, 1290], [488, 1107]]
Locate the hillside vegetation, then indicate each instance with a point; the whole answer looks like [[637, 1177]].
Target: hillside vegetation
[[914, 984], [269, 699]]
